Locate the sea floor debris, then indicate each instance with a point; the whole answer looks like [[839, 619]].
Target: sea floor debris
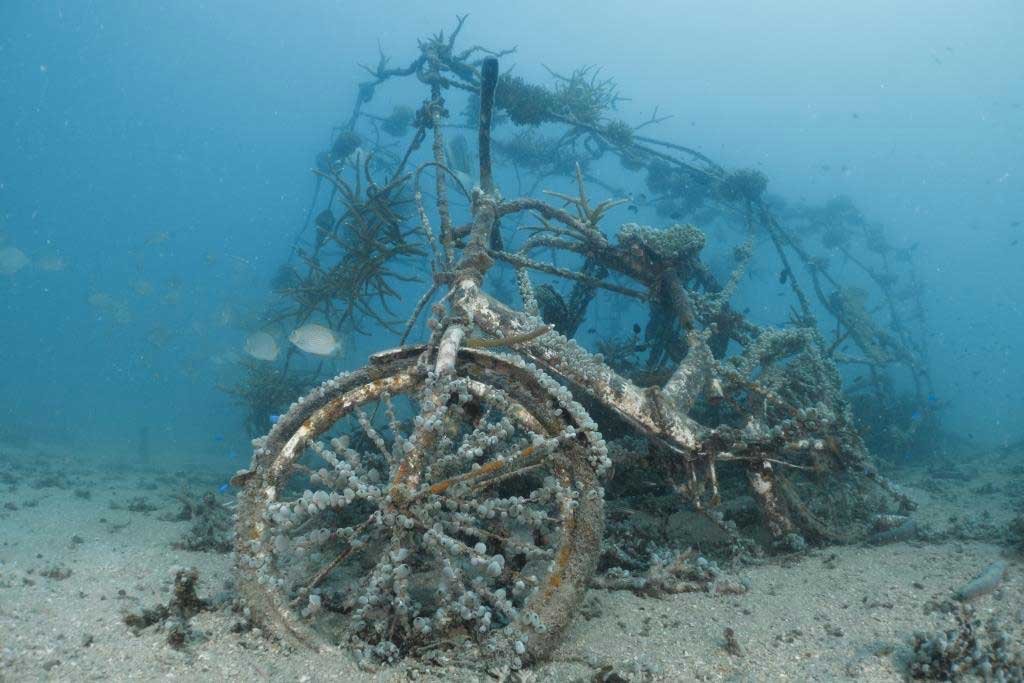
[[877, 596], [174, 617], [991, 651], [212, 527]]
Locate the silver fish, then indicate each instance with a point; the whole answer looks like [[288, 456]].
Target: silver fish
[[261, 346], [12, 260], [315, 339]]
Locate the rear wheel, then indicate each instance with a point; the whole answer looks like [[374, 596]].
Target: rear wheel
[[491, 547]]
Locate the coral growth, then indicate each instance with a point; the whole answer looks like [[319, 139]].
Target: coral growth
[[683, 572], [990, 652], [744, 184], [1016, 533], [173, 618], [526, 104], [211, 529]]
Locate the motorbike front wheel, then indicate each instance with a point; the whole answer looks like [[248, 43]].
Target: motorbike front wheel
[[489, 552]]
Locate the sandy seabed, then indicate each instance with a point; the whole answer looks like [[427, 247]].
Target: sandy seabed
[[71, 567]]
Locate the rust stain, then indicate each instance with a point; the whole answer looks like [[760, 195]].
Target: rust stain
[[562, 562], [442, 486]]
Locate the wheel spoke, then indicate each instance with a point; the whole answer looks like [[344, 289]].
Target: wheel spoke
[[448, 513]]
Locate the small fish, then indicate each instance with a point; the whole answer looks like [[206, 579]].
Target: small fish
[[916, 416], [592, 331], [158, 336], [274, 419], [636, 328], [261, 346], [12, 260], [224, 488], [142, 287], [232, 455], [633, 208], [218, 437], [783, 276], [52, 263], [1014, 243], [157, 238], [315, 339], [101, 300], [932, 398]]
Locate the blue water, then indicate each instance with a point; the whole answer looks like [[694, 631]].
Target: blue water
[[200, 122], [156, 172]]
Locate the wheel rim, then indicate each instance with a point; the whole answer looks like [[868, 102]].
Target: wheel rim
[[494, 546]]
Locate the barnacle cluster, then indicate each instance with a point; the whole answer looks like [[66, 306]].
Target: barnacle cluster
[[675, 572], [674, 242], [990, 651], [397, 123], [525, 103], [582, 97], [618, 133], [743, 184], [464, 551]]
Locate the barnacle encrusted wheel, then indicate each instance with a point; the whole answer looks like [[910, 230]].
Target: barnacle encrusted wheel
[[488, 550]]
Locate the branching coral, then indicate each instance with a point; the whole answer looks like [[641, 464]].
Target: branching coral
[[743, 185], [265, 390], [526, 104]]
